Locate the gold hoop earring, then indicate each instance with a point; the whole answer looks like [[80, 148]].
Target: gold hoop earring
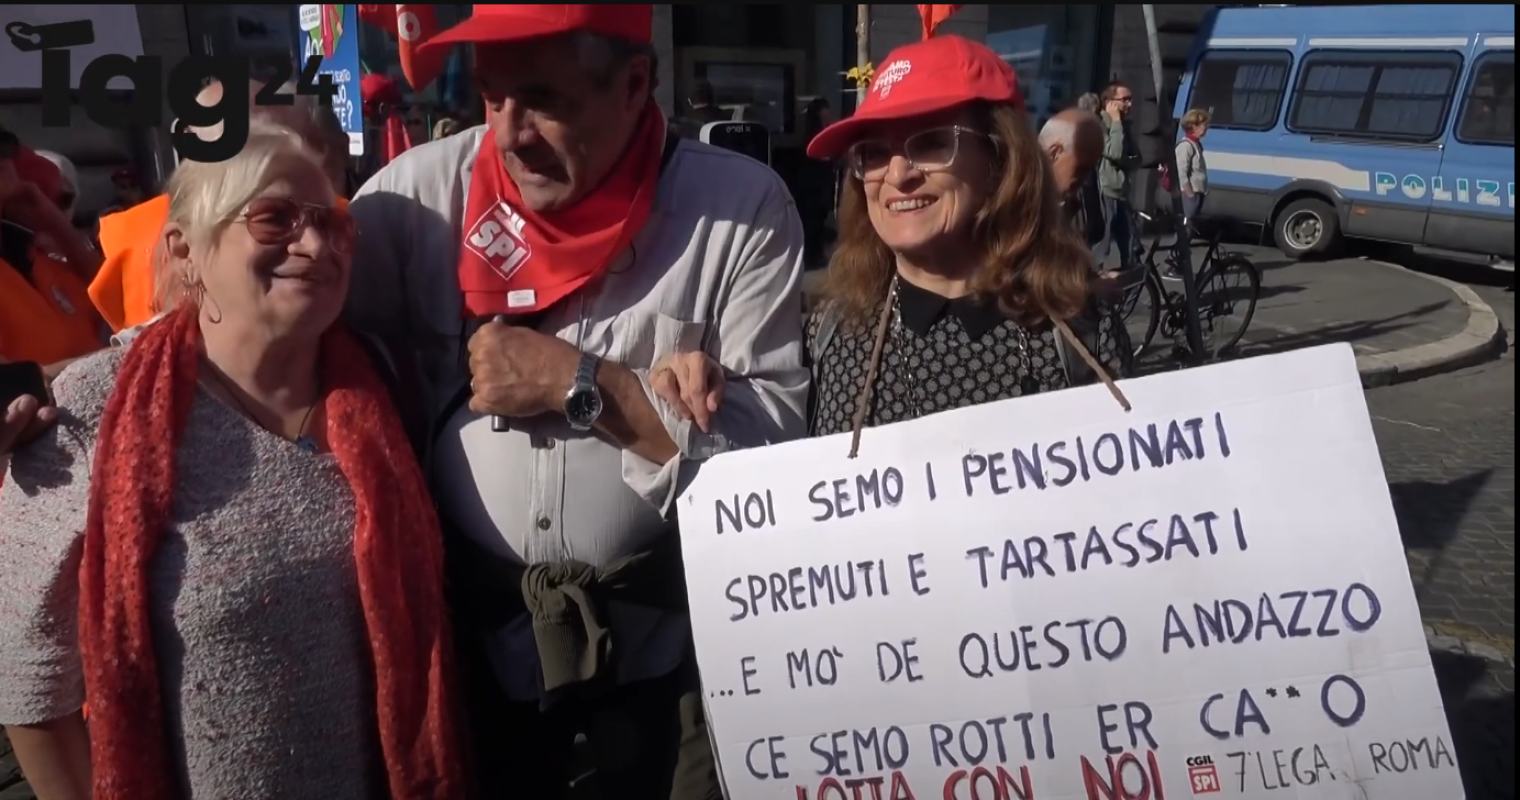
[[192, 289]]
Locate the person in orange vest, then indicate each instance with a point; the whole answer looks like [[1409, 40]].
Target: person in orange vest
[[45, 312], [123, 289]]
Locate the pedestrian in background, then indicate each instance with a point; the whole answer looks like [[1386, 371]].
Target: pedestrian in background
[[1120, 158], [1073, 140], [225, 546], [1192, 167]]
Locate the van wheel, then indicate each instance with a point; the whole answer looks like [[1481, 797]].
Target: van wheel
[[1307, 227]]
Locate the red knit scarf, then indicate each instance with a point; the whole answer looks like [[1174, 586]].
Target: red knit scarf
[[397, 547], [514, 261]]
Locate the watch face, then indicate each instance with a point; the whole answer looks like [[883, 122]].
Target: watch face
[[583, 407]]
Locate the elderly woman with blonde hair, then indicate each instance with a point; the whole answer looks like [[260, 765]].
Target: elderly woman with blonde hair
[[225, 549]]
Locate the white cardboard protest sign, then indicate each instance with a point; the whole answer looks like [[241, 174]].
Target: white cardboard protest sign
[[1052, 598]]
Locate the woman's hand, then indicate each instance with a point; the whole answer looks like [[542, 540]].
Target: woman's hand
[[692, 383]]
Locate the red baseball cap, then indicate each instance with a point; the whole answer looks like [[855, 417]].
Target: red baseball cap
[[922, 78], [515, 23]]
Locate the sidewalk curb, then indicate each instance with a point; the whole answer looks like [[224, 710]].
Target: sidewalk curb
[[1481, 340]]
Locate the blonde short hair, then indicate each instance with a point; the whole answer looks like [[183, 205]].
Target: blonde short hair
[[205, 197], [1195, 119]]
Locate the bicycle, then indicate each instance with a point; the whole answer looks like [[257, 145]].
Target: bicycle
[[1167, 309]]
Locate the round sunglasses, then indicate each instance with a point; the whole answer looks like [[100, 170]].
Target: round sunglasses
[[280, 221]]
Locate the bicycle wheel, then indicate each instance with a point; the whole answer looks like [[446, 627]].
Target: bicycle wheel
[[1141, 312], [1227, 294]]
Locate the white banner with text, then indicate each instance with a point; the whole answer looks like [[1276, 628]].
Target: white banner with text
[[1053, 598]]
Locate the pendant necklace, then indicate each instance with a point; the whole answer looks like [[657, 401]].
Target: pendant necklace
[[304, 442], [900, 345]]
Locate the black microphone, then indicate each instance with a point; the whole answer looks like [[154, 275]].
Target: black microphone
[[499, 424]]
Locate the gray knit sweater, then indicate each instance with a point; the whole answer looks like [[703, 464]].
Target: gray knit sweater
[[258, 630]]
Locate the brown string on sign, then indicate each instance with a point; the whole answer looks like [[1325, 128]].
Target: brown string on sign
[[1092, 363], [864, 399]]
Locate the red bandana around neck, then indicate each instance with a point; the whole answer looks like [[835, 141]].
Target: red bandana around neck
[[514, 261], [397, 548]]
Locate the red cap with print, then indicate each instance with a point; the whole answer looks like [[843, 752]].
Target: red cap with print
[[489, 24], [923, 78]]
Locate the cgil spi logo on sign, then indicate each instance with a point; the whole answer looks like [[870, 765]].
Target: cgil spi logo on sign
[[1461, 190]]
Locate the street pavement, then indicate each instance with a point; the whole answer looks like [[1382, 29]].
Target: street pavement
[[1377, 309], [1448, 446]]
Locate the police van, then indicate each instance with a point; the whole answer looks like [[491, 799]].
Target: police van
[[1390, 123]]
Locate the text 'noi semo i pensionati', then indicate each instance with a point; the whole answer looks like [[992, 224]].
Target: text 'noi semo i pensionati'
[[1051, 597]]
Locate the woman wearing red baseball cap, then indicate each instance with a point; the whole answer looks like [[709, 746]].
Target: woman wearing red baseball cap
[[954, 281]]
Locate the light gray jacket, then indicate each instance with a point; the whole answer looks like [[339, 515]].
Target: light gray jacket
[[1192, 169]]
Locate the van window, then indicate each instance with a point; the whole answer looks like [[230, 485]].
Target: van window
[[1378, 95], [1488, 112], [1241, 89]]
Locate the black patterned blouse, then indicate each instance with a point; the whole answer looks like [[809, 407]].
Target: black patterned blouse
[[940, 354]]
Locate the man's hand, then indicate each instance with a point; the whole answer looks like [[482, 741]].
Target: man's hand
[[519, 372], [25, 420]]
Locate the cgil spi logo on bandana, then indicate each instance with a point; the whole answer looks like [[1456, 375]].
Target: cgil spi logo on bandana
[[497, 239], [890, 75]]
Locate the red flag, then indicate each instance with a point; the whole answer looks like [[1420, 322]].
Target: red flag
[[933, 15], [411, 24]]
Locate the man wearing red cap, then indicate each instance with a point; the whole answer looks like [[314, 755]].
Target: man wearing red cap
[[596, 246]]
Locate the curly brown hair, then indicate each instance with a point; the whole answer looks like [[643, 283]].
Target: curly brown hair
[[1032, 262]]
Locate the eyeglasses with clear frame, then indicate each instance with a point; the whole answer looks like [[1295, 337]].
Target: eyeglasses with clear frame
[[933, 150], [280, 221]]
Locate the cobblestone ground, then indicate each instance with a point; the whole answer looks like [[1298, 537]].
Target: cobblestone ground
[[1448, 446], [11, 785]]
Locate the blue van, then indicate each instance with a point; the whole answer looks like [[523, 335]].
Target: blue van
[[1391, 123]]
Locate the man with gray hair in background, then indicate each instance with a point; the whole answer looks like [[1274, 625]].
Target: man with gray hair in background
[[1073, 141]]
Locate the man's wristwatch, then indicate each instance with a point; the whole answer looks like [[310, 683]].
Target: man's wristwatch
[[583, 403]]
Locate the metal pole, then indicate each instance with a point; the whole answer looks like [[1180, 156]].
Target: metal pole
[[1184, 249], [862, 44]]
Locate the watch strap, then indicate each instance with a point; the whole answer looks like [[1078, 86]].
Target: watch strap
[[585, 373]]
